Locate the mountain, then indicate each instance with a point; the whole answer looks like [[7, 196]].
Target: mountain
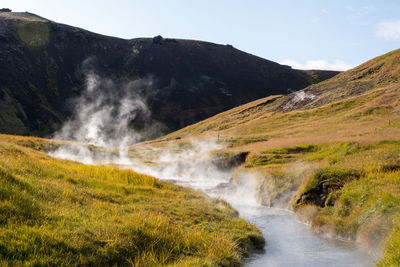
[[350, 106], [329, 152], [44, 65]]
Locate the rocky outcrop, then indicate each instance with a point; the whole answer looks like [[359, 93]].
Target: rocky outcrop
[[318, 196], [227, 161], [323, 188], [42, 68]]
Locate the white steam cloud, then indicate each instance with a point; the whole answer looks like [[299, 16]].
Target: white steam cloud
[[102, 126], [196, 166], [104, 116], [102, 132], [192, 165], [301, 96], [297, 98]]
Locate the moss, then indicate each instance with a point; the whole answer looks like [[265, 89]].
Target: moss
[[332, 198], [33, 34], [306, 148], [256, 159], [332, 177]]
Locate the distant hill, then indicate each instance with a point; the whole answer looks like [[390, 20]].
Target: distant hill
[[41, 69], [360, 104]]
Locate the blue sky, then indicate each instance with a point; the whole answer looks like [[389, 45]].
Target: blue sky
[[302, 33]]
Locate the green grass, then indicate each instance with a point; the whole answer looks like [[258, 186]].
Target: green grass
[[359, 182], [55, 212], [34, 34], [364, 202], [344, 145], [392, 249], [247, 140], [330, 177]]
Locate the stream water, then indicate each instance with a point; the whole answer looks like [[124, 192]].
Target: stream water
[[101, 122], [289, 242]]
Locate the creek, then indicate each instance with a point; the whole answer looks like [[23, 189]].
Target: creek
[[288, 241]]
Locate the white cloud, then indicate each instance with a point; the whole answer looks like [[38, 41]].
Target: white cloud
[[389, 30], [320, 64], [325, 11]]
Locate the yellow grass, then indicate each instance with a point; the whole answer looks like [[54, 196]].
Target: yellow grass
[[57, 212]]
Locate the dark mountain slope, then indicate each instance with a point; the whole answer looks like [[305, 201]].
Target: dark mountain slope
[[42, 67]]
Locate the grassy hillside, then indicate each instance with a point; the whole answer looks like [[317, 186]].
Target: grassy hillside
[[345, 189], [361, 104], [57, 212], [331, 152]]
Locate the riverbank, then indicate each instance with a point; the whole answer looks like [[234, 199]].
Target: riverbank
[[343, 190], [231, 176], [60, 212]]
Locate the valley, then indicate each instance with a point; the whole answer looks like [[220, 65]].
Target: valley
[[174, 152]]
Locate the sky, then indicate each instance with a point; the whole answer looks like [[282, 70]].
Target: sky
[[306, 34]]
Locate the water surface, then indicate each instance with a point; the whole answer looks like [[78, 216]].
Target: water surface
[[289, 242]]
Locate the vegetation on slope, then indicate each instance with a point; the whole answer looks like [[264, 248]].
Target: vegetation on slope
[[338, 109], [345, 189], [44, 63], [57, 212], [331, 152]]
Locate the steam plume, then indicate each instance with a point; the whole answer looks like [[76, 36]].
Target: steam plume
[[104, 116]]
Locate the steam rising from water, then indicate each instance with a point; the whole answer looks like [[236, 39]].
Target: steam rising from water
[[243, 191], [104, 116], [191, 165], [196, 166]]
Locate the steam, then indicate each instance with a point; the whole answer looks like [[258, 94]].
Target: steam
[[297, 98], [242, 189], [302, 95], [104, 116], [102, 131], [194, 164]]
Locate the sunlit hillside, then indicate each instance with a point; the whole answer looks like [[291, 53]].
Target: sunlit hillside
[[362, 104], [56, 212], [331, 152]]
